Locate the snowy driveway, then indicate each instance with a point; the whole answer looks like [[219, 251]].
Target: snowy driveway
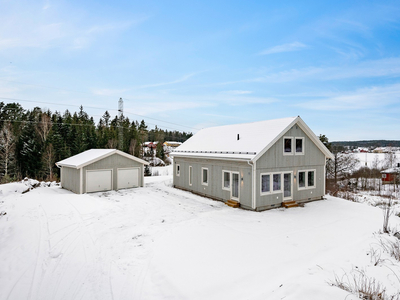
[[158, 242]]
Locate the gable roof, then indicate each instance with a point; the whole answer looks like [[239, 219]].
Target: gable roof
[[89, 156], [243, 141]]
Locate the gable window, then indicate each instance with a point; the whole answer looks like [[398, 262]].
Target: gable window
[[265, 183], [190, 175], [299, 146], [178, 170], [287, 145], [226, 180], [204, 176], [306, 179]]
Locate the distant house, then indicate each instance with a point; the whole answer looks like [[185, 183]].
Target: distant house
[[257, 165], [99, 170], [391, 175]]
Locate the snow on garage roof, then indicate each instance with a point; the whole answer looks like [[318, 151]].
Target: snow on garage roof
[[242, 141], [87, 157]]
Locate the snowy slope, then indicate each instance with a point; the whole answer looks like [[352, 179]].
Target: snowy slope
[[158, 242]]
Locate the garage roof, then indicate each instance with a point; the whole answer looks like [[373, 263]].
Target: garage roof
[[89, 156]]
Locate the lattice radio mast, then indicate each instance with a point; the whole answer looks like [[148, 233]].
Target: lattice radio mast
[[120, 128]]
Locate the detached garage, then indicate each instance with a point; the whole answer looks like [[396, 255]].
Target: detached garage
[[99, 170]]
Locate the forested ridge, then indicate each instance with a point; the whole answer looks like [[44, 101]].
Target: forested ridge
[[31, 141]]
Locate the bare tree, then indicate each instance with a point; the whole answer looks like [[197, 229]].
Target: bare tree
[[49, 161], [341, 166], [44, 127], [390, 158], [7, 146]]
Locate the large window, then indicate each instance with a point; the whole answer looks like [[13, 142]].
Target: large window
[[265, 183], [276, 183], [306, 179], [270, 183], [226, 180], [204, 176]]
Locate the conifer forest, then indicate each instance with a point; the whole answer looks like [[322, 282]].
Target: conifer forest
[[33, 140]]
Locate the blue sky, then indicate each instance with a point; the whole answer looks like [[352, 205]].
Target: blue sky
[[206, 63]]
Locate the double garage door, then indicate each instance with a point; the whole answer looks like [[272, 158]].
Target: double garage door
[[101, 180]]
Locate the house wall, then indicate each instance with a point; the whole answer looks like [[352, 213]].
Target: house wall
[[70, 179], [214, 188], [113, 162], [274, 161]]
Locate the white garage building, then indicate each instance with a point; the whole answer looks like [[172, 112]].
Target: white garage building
[[98, 170]]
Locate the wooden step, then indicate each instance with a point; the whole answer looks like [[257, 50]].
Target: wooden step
[[232, 203], [289, 204]]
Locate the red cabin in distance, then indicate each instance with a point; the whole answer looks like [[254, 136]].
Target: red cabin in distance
[[391, 175]]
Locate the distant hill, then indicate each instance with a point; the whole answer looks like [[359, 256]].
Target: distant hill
[[367, 144]]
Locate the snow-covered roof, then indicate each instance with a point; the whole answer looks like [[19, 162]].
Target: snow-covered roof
[[242, 141], [392, 170], [89, 156]]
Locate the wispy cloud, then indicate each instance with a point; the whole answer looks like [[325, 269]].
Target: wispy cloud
[[179, 80], [361, 99], [295, 46], [237, 92]]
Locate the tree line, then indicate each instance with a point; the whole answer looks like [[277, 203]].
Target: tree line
[[32, 141]]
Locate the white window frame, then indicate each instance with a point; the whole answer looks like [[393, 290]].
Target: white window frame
[[306, 187], [208, 177], [271, 183], [384, 176], [292, 146], [190, 175], [178, 170], [302, 143], [223, 180]]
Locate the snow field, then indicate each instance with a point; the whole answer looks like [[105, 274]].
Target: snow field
[[158, 242]]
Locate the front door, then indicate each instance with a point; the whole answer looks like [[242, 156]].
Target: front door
[[287, 186], [235, 186]]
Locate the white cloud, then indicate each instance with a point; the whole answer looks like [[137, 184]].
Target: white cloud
[[182, 79], [237, 92], [362, 99], [295, 46]]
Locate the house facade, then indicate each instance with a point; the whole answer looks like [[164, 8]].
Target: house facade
[[260, 165], [98, 170]]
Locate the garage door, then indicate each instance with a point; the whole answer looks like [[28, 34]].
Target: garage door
[[128, 178], [98, 180]]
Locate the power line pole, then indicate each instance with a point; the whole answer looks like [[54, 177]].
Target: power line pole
[[120, 131]]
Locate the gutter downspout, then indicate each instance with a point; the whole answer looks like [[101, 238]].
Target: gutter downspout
[[253, 190]]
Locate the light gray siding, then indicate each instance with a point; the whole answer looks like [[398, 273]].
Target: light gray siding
[[113, 162], [215, 168], [274, 161], [70, 179]]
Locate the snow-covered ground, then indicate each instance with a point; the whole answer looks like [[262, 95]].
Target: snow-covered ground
[[158, 242]]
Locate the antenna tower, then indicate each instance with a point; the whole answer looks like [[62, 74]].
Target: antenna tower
[[120, 128]]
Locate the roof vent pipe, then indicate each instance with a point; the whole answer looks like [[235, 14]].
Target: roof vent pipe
[[238, 137]]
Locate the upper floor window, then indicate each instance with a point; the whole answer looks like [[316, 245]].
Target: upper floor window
[[299, 145], [287, 145]]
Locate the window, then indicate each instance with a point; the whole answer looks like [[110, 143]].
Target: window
[[276, 182], [178, 170], [190, 175], [204, 176], [226, 180], [302, 179], [265, 183], [310, 181], [287, 145], [299, 146], [383, 175], [306, 179]]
